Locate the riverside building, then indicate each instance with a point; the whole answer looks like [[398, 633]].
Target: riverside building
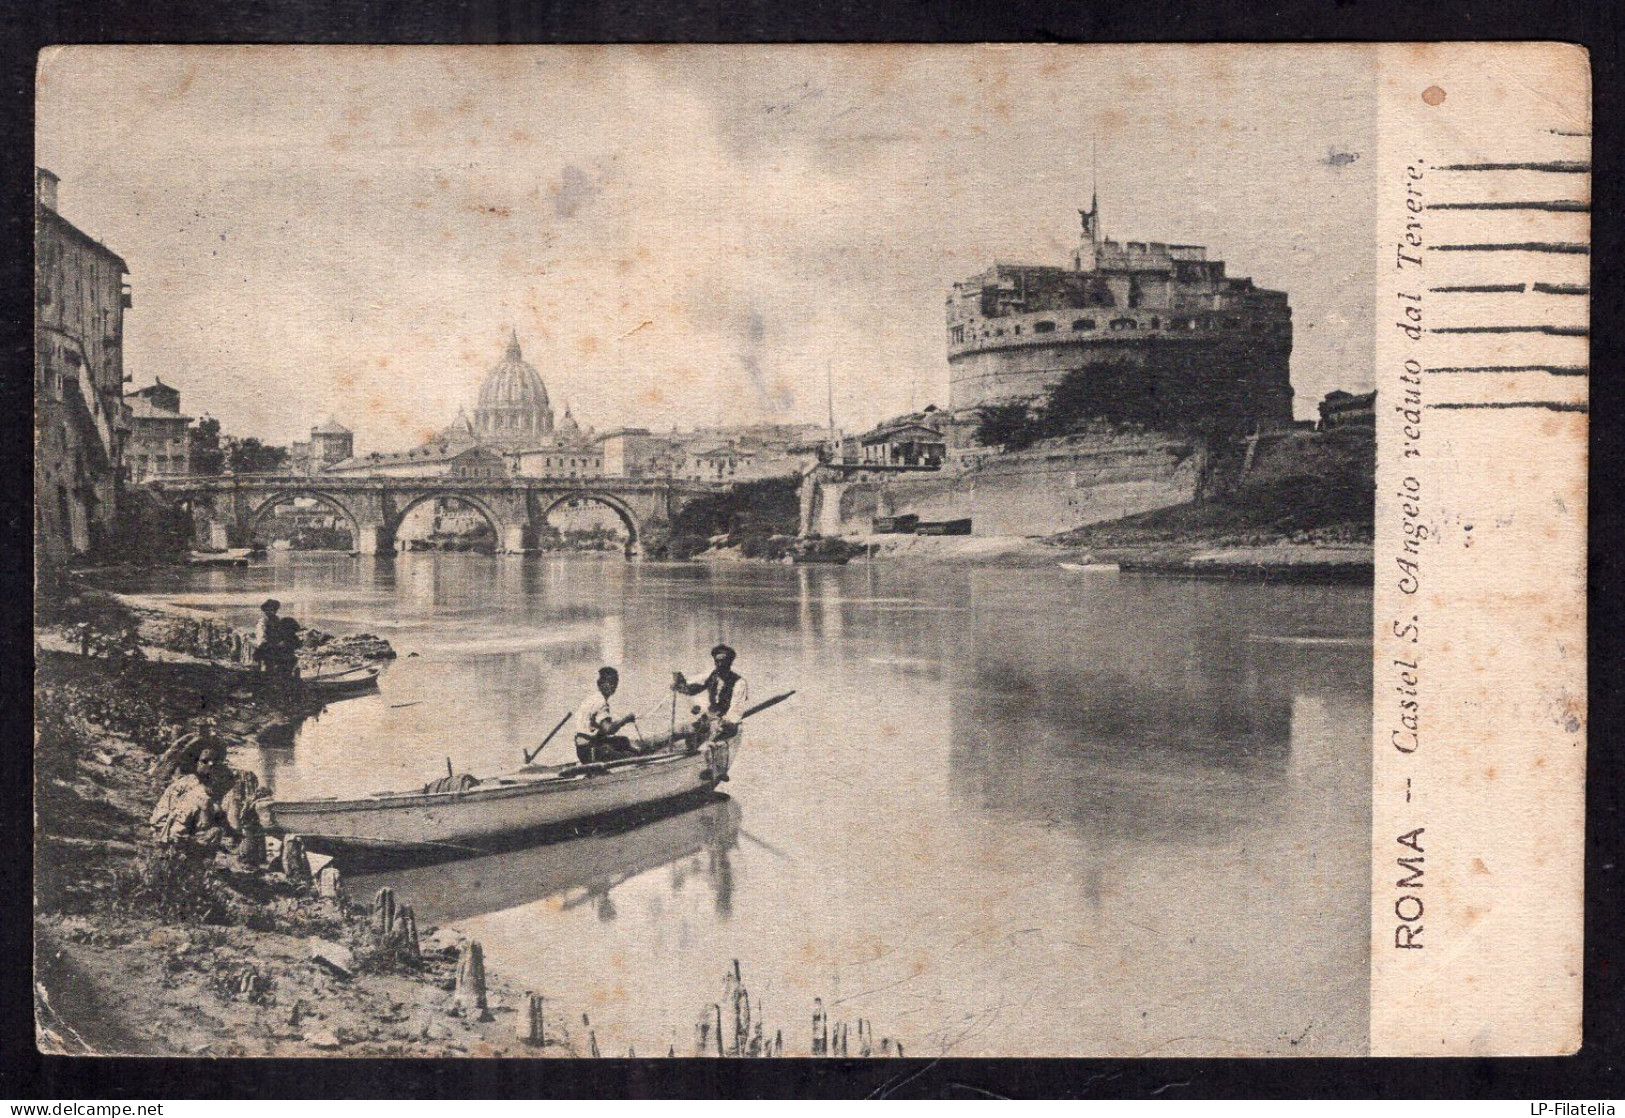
[[81, 421], [1170, 334]]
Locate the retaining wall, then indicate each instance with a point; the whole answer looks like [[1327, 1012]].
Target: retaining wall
[[1049, 489]]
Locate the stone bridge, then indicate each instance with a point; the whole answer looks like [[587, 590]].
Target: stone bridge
[[515, 507]]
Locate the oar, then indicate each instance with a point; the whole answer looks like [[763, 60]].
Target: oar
[[531, 755], [765, 703]]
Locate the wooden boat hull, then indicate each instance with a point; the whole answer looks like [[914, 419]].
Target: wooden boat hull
[[529, 800], [346, 683]]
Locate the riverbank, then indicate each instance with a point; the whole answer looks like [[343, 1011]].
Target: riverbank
[[139, 951], [139, 954], [1220, 556]]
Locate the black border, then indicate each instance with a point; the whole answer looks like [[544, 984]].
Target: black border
[[26, 26]]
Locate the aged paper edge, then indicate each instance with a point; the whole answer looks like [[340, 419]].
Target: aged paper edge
[[1479, 712]]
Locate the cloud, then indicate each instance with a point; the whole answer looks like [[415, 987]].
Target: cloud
[[680, 235]]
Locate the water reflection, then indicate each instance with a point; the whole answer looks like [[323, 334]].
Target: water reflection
[[693, 845], [1089, 798]]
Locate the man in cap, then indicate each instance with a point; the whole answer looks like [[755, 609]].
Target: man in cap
[[598, 736], [725, 692]]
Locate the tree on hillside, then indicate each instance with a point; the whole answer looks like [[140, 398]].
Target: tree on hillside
[[250, 456], [1175, 390], [1008, 426], [203, 441]]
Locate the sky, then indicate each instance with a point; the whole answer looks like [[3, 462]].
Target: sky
[[679, 235]]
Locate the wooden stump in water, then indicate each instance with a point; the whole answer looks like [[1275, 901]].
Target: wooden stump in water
[[252, 850], [383, 914], [406, 931], [470, 991], [702, 1033], [592, 1037], [820, 1029], [295, 863], [778, 1042], [530, 1026], [738, 999]]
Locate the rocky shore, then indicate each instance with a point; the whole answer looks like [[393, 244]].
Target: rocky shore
[[140, 952]]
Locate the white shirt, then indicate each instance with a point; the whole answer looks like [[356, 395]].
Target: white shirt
[[593, 712]]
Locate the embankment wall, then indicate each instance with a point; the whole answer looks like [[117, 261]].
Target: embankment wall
[[1048, 489]]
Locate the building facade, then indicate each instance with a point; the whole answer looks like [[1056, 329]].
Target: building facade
[[158, 444], [433, 460], [559, 459], [1186, 340], [904, 444], [81, 419], [331, 442], [635, 452]]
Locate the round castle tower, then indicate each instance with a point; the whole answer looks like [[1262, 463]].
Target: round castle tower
[[1186, 341]]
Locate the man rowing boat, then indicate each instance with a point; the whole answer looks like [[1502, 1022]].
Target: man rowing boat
[[725, 691], [598, 736]]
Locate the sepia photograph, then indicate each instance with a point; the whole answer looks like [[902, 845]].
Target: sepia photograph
[[706, 551]]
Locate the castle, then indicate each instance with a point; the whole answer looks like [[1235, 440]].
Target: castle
[[1169, 336]]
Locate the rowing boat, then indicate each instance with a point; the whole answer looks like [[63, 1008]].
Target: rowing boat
[[351, 681], [533, 798]]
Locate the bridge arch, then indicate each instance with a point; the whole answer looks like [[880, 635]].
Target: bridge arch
[[252, 522], [485, 510], [634, 530]]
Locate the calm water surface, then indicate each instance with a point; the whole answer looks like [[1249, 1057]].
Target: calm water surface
[[1008, 813]]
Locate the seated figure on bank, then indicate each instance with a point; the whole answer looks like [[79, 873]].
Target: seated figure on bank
[[207, 806]]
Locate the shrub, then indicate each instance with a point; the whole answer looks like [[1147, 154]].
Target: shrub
[[171, 884]]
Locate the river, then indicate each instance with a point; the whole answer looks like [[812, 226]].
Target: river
[[1008, 812]]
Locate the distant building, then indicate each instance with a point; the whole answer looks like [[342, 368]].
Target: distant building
[[159, 395], [80, 418], [158, 444], [718, 463], [513, 411], [331, 443], [748, 453], [559, 459], [460, 432], [435, 460], [906, 444], [633, 452], [1016, 330], [1345, 409]]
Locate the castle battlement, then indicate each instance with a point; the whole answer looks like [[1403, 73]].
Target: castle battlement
[[1017, 329]]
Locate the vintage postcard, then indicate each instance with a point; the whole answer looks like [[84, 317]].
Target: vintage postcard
[[743, 551]]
